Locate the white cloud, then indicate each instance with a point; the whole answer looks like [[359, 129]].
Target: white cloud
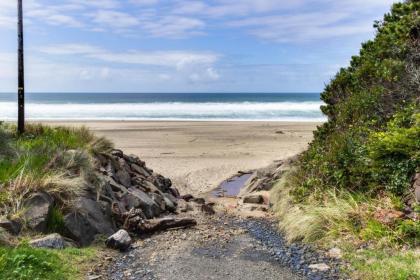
[[118, 20], [71, 49], [144, 2], [173, 27], [185, 18], [174, 59]]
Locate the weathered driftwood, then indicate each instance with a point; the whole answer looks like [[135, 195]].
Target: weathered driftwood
[[153, 225]]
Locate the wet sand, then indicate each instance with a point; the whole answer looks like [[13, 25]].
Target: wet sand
[[198, 156]]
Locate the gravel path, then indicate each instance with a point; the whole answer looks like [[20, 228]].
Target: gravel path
[[220, 247]]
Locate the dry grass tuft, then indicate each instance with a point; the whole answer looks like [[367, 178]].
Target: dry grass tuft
[[315, 221]]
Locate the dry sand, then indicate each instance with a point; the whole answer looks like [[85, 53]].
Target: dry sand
[[198, 156]]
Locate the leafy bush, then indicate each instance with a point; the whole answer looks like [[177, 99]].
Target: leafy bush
[[395, 152], [371, 139]]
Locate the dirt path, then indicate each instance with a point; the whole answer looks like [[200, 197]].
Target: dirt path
[[220, 247]]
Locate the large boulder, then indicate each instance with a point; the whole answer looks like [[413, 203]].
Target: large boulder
[[88, 219], [136, 198], [37, 209], [52, 241], [78, 228], [120, 240], [98, 215]]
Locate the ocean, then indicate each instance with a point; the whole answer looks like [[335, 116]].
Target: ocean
[[166, 106]]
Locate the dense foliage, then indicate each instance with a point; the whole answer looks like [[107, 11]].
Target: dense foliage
[[371, 141], [352, 188]]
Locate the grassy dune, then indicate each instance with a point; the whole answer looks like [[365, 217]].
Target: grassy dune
[[56, 160]]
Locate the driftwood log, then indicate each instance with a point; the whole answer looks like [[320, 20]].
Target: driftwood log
[[153, 225]]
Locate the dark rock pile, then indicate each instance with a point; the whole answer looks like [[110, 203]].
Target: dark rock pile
[[124, 194]]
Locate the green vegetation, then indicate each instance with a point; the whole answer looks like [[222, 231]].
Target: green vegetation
[[378, 264], [23, 263], [53, 159], [58, 160], [352, 187]]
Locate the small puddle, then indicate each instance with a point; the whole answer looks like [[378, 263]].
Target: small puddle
[[231, 187]]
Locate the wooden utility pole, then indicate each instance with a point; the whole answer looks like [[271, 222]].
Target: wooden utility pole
[[21, 77]]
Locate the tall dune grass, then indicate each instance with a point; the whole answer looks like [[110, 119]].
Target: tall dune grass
[[57, 160]]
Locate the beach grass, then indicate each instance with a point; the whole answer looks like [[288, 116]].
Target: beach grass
[[26, 263], [58, 160]]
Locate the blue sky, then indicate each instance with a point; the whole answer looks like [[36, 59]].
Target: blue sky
[[184, 46]]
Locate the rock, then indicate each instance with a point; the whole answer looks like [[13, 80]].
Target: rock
[[97, 214], [184, 206], [175, 192], [136, 198], [170, 201], [38, 207], [88, 219], [5, 238], [159, 200], [147, 186], [140, 170], [52, 241], [199, 200], [162, 183], [134, 159], [416, 187], [319, 266], [116, 187], [149, 226], [123, 177], [117, 153], [12, 227], [208, 209], [120, 240], [335, 253], [187, 197], [254, 198], [78, 228]]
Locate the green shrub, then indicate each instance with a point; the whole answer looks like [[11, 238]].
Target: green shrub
[[395, 152], [371, 140]]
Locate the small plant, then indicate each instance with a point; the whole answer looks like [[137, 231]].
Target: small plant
[[55, 222]]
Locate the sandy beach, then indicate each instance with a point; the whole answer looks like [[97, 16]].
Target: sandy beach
[[197, 156]]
